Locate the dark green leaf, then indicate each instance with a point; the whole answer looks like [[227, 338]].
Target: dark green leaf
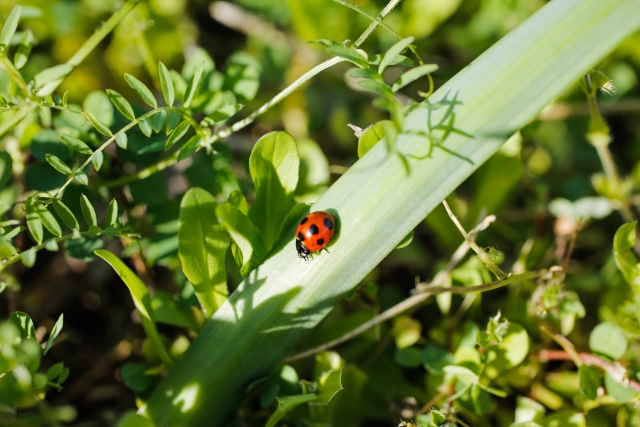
[[142, 90], [166, 83], [97, 124], [393, 52], [146, 127], [167, 310], [190, 147], [274, 165], [609, 340], [65, 214], [54, 333], [177, 133], [88, 212], [435, 359], [287, 404], [406, 241], [349, 54], [244, 234], [237, 199], [58, 164], [112, 214], [100, 105], [10, 26], [364, 73], [134, 377], [408, 357], [193, 85], [54, 371], [141, 300], [82, 247], [221, 115], [413, 75], [24, 49], [589, 381], [378, 87], [75, 144], [173, 118], [121, 104], [203, 245]]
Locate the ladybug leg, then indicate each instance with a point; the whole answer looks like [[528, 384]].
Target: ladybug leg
[[326, 250], [303, 252]]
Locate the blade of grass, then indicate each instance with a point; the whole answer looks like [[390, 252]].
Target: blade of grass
[[377, 204]]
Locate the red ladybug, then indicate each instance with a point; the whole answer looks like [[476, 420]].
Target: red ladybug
[[314, 232]]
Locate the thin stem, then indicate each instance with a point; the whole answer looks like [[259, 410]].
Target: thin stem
[[482, 254], [412, 302], [15, 257], [14, 73], [563, 342], [387, 9], [95, 39], [141, 174]]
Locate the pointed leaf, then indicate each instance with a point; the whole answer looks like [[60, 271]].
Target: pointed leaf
[[237, 199], [364, 73], [75, 144], [202, 247], [244, 234], [350, 55], [177, 133], [393, 52], [9, 28], [24, 324], [173, 118], [190, 147], [88, 212], [66, 215], [145, 126], [141, 300], [142, 90], [371, 135], [329, 384], [97, 160], [166, 83], [379, 87], [54, 334], [24, 49], [193, 85], [274, 165], [34, 224], [112, 214], [47, 219], [81, 177], [122, 140], [97, 124], [58, 164], [413, 75], [121, 104], [51, 74], [400, 60], [158, 120], [288, 404], [28, 257]]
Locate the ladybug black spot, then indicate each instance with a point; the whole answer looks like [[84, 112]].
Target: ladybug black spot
[[321, 242], [300, 236], [304, 220], [328, 223], [313, 229]]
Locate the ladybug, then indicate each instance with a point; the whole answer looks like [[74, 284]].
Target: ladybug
[[314, 232]]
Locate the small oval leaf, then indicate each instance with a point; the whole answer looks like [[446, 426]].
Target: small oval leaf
[[58, 164], [121, 104], [88, 212], [177, 133], [167, 85], [142, 90], [75, 144]]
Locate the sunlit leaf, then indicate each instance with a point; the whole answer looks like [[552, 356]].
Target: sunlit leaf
[[88, 212], [193, 85], [142, 90], [166, 84], [58, 164], [65, 214], [177, 133], [413, 75], [24, 49], [75, 144], [121, 104], [393, 52], [10, 26], [54, 334], [244, 234]]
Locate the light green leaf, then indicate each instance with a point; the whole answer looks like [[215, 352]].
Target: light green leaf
[[406, 241], [81, 177], [371, 135], [158, 120], [377, 87], [9, 28], [244, 234], [589, 381], [166, 84], [609, 340], [190, 147], [528, 410], [202, 245], [329, 384], [24, 324], [44, 216], [364, 73], [24, 49], [141, 300], [88, 212], [393, 52], [406, 331], [6, 248], [565, 418], [142, 90], [97, 124], [177, 133], [65, 214], [122, 140], [349, 54], [399, 60], [51, 74], [121, 104], [100, 105], [167, 310], [623, 243], [237, 199], [193, 85], [221, 115], [274, 165], [131, 419], [288, 404], [54, 334], [617, 388], [145, 126], [413, 75], [111, 218], [75, 144], [58, 164], [97, 160], [34, 224]]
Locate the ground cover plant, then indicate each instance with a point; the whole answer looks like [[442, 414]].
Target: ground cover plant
[[157, 158]]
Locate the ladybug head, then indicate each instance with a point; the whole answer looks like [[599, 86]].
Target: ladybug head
[[303, 252]]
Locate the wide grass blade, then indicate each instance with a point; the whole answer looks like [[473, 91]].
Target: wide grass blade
[[378, 203]]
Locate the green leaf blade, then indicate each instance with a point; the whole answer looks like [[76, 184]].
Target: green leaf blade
[[24, 50], [121, 104], [413, 75], [66, 215], [192, 87], [58, 164], [97, 124], [75, 144], [167, 85], [177, 133], [88, 212], [393, 52], [10, 26], [142, 90], [54, 334]]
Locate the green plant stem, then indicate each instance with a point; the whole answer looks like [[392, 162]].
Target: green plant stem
[[414, 301], [14, 73], [387, 9], [23, 111], [95, 39], [15, 257]]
